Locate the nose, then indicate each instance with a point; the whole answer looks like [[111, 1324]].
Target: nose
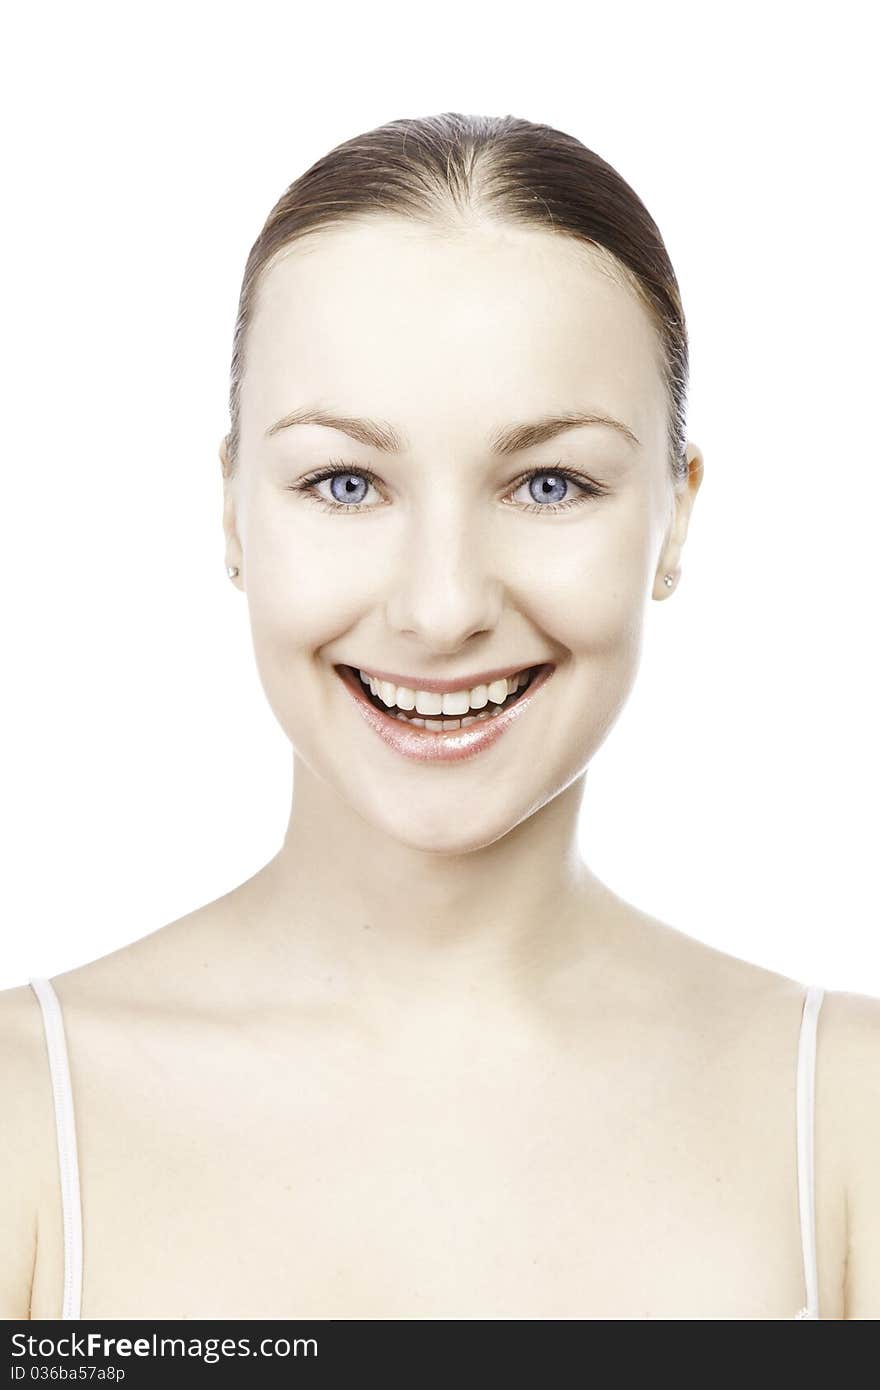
[[444, 586]]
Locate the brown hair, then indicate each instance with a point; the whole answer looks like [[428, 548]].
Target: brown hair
[[437, 169]]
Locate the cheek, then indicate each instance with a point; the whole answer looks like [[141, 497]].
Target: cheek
[[591, 593], [300, 591], [299, 600]]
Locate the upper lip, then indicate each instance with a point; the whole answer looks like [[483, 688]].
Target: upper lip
[[438, 687]]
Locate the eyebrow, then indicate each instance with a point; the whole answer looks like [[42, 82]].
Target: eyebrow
[[378, 434]]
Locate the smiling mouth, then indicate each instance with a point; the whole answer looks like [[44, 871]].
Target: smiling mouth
[[441, 722]]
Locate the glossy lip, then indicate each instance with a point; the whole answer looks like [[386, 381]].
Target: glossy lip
[[427, 746], [437, 687]]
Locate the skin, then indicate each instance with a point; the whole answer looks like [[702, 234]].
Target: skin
[[425, 1063]]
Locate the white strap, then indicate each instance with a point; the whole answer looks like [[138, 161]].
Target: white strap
[[806, 1087], [65, 1131]]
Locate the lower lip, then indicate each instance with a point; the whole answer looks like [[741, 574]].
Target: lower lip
[[427, 746]]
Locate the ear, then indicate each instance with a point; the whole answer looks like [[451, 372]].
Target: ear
[[685, 494], [232, 547]]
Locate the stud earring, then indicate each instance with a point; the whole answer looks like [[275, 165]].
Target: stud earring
[[232, 571], [668, 580]]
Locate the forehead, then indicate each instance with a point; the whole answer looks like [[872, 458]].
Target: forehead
[[458, 329]]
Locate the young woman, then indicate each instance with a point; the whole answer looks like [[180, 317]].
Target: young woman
[[425, 1064]]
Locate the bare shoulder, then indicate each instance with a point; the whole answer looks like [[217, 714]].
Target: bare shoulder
[[173, 967], [846, 1104], [848, 1086], [27, 1141], [696, 983]]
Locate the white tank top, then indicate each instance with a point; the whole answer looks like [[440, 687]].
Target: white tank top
[[71, 1208]]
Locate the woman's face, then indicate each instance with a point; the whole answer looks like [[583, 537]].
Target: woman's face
[[450, 557]]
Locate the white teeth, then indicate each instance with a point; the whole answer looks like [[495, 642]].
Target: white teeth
[[498, 691], [428, 702], [454, 702], [446, 724]]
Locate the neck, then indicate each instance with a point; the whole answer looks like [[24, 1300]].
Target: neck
[[358, 918]]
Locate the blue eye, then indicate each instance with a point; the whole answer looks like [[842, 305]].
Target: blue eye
[[551, 494], [351, 487], [346, 495], [348, 492]]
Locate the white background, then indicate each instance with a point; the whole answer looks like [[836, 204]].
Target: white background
[[143, 772]]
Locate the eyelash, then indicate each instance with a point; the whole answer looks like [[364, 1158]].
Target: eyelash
[[337, 466]]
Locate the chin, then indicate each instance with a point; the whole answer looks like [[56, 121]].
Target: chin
[[450, 835]]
